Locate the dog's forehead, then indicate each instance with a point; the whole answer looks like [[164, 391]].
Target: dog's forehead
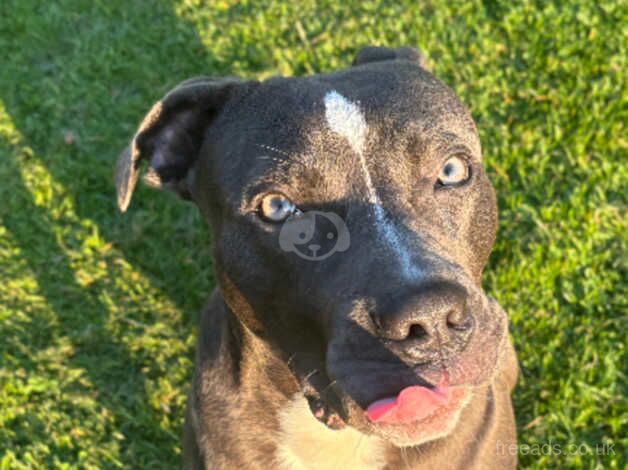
[[395, 99], [303, 129]]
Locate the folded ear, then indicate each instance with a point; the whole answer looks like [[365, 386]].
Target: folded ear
[[170, 136], [379, 54]]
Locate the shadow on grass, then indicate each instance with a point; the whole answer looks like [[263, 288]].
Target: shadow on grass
[[80, 77]]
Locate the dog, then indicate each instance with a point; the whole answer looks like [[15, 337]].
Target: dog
[[351, 221]]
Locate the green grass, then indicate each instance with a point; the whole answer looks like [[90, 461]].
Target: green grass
[[98, 311]]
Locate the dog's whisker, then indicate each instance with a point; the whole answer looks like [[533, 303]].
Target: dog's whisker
[[357, 446], [328, 386], [287, 156], [268, 157], [404, 457], [310, 374], [274, 149]]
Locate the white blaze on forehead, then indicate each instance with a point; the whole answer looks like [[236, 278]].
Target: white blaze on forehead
[[346, 119]]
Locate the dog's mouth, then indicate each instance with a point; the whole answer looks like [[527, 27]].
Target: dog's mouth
[[404, 404], [427, 401], [416, 414]]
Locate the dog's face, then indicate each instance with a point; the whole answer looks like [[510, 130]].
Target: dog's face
[[351, 221]]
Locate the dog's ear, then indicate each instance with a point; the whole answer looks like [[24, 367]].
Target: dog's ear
[[379, 54], [170, 136]]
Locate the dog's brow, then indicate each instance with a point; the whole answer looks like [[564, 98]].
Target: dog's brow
[[450, 142], [288, 157]]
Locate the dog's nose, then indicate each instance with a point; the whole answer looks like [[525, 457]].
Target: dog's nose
[[433, 316]]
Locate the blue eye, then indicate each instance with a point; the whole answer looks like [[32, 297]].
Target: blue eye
[[455, 171], [276, 208]]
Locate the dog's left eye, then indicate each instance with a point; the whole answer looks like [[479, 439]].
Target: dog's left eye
[[455, 171], [276, 208]]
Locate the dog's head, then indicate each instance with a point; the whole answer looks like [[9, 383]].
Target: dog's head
[[351, 221]]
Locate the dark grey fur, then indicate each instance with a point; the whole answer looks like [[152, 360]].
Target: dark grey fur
[[335, 330]]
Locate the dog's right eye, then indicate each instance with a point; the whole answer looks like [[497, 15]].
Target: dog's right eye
[[276, 208]]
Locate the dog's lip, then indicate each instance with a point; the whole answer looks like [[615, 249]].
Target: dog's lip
[[325, 415], [439, 421]]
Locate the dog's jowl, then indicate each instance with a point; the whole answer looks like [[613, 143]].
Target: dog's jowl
[[351, 220]]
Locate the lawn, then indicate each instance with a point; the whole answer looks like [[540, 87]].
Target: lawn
[[98, 311]]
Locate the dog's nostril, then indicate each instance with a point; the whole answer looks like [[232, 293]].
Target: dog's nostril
[[417, 332]]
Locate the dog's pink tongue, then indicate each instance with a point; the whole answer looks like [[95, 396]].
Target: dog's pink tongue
[[412, 404]]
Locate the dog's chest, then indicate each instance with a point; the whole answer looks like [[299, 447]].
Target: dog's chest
[[306, 443]]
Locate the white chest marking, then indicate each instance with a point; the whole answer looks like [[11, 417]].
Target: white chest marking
[[346, 119], [306, 443]]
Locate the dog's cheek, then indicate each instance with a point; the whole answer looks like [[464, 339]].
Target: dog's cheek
[[253, 272], [483, 226], [239, 266]]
